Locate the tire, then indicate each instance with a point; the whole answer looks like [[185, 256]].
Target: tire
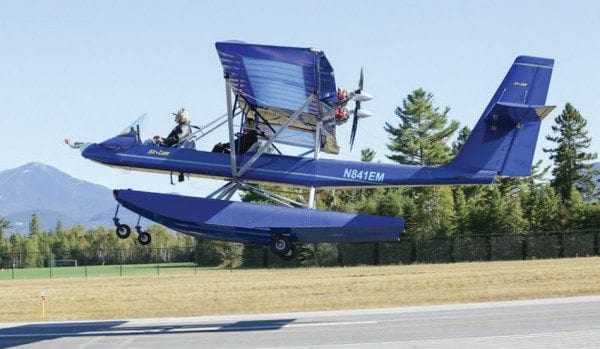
[[144, 238], [123, 231], [289, 255], [280, 245]]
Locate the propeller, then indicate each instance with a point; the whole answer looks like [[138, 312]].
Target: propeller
[[359, 96]]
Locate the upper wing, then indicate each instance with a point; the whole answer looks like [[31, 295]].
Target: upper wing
[[272, 82]]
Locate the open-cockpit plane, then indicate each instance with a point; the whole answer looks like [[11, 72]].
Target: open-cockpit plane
[[288, 95]]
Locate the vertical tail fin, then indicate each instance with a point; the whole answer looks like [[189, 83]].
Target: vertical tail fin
[[505, 136]]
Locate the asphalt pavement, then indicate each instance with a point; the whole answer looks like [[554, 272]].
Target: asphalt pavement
[[547, 323]]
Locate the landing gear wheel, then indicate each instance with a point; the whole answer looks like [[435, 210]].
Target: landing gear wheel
[[280, 245], [144, 238], [289, 255], [123, 231]]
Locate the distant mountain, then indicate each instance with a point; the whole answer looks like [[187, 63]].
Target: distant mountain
[[53, 196]]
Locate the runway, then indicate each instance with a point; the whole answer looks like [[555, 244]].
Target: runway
[[555, 323]]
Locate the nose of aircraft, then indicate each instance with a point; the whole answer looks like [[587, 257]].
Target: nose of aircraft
[[89, 151], [105, 152]]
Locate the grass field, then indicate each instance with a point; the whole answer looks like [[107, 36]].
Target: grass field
[[185, 291], [97, 271]]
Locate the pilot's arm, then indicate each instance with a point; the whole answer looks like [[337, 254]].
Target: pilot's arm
[[179, 133]]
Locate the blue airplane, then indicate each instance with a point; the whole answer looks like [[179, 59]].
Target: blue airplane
[[288, 95]]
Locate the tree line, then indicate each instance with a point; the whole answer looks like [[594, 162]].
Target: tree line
[[563, 198]]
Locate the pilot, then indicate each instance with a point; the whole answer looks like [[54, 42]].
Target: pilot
[[244, 142], [179, 133]]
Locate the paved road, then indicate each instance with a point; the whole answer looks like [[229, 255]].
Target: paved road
[[551, 323]]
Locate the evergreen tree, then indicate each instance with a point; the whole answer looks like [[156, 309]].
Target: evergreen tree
[[494, 213], [59, 227], [422, 132], [35, 227], [571, 161], [4, 224], [32, 257], [574, 211], [457, 145], [4, 244], [513, 222], [390, 202], [435, 215], [367, 154], [420, 139], [461, 210], [542, 208], [485, 217], [591, 219]]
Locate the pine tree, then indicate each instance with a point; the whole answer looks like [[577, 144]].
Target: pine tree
[[4, 244], [542, 208], [422, 132], [4, 224], [461, 210], [457, 145], [571, 161], [35, 227], [59, 227], [367, 154], [485, 216], [435, 212]]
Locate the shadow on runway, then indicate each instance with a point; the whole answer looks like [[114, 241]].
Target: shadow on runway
[[26, 334]]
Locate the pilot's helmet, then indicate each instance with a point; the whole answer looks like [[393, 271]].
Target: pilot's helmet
[[182, 116]]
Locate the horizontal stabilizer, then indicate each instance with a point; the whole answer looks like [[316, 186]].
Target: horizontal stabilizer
[[515, 114]]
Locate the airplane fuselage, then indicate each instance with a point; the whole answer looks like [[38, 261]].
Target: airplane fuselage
[[291, 170]]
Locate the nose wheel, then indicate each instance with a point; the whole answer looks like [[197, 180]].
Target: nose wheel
[[123, 231], [144, 238]]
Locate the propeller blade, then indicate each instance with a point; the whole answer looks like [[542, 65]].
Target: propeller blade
[[354, 124], [360, 81], [358, 97]]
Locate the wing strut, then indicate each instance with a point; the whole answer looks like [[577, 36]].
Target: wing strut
[[270, 141], [272, 196], [311, 193], [222, 191], [318, 126], [229, 189], [230, 124]]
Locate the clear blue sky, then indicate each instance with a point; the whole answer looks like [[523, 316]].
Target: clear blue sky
[[85, 69]]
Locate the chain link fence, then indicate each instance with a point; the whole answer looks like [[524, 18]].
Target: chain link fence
[[140, 260], [481, 247]]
